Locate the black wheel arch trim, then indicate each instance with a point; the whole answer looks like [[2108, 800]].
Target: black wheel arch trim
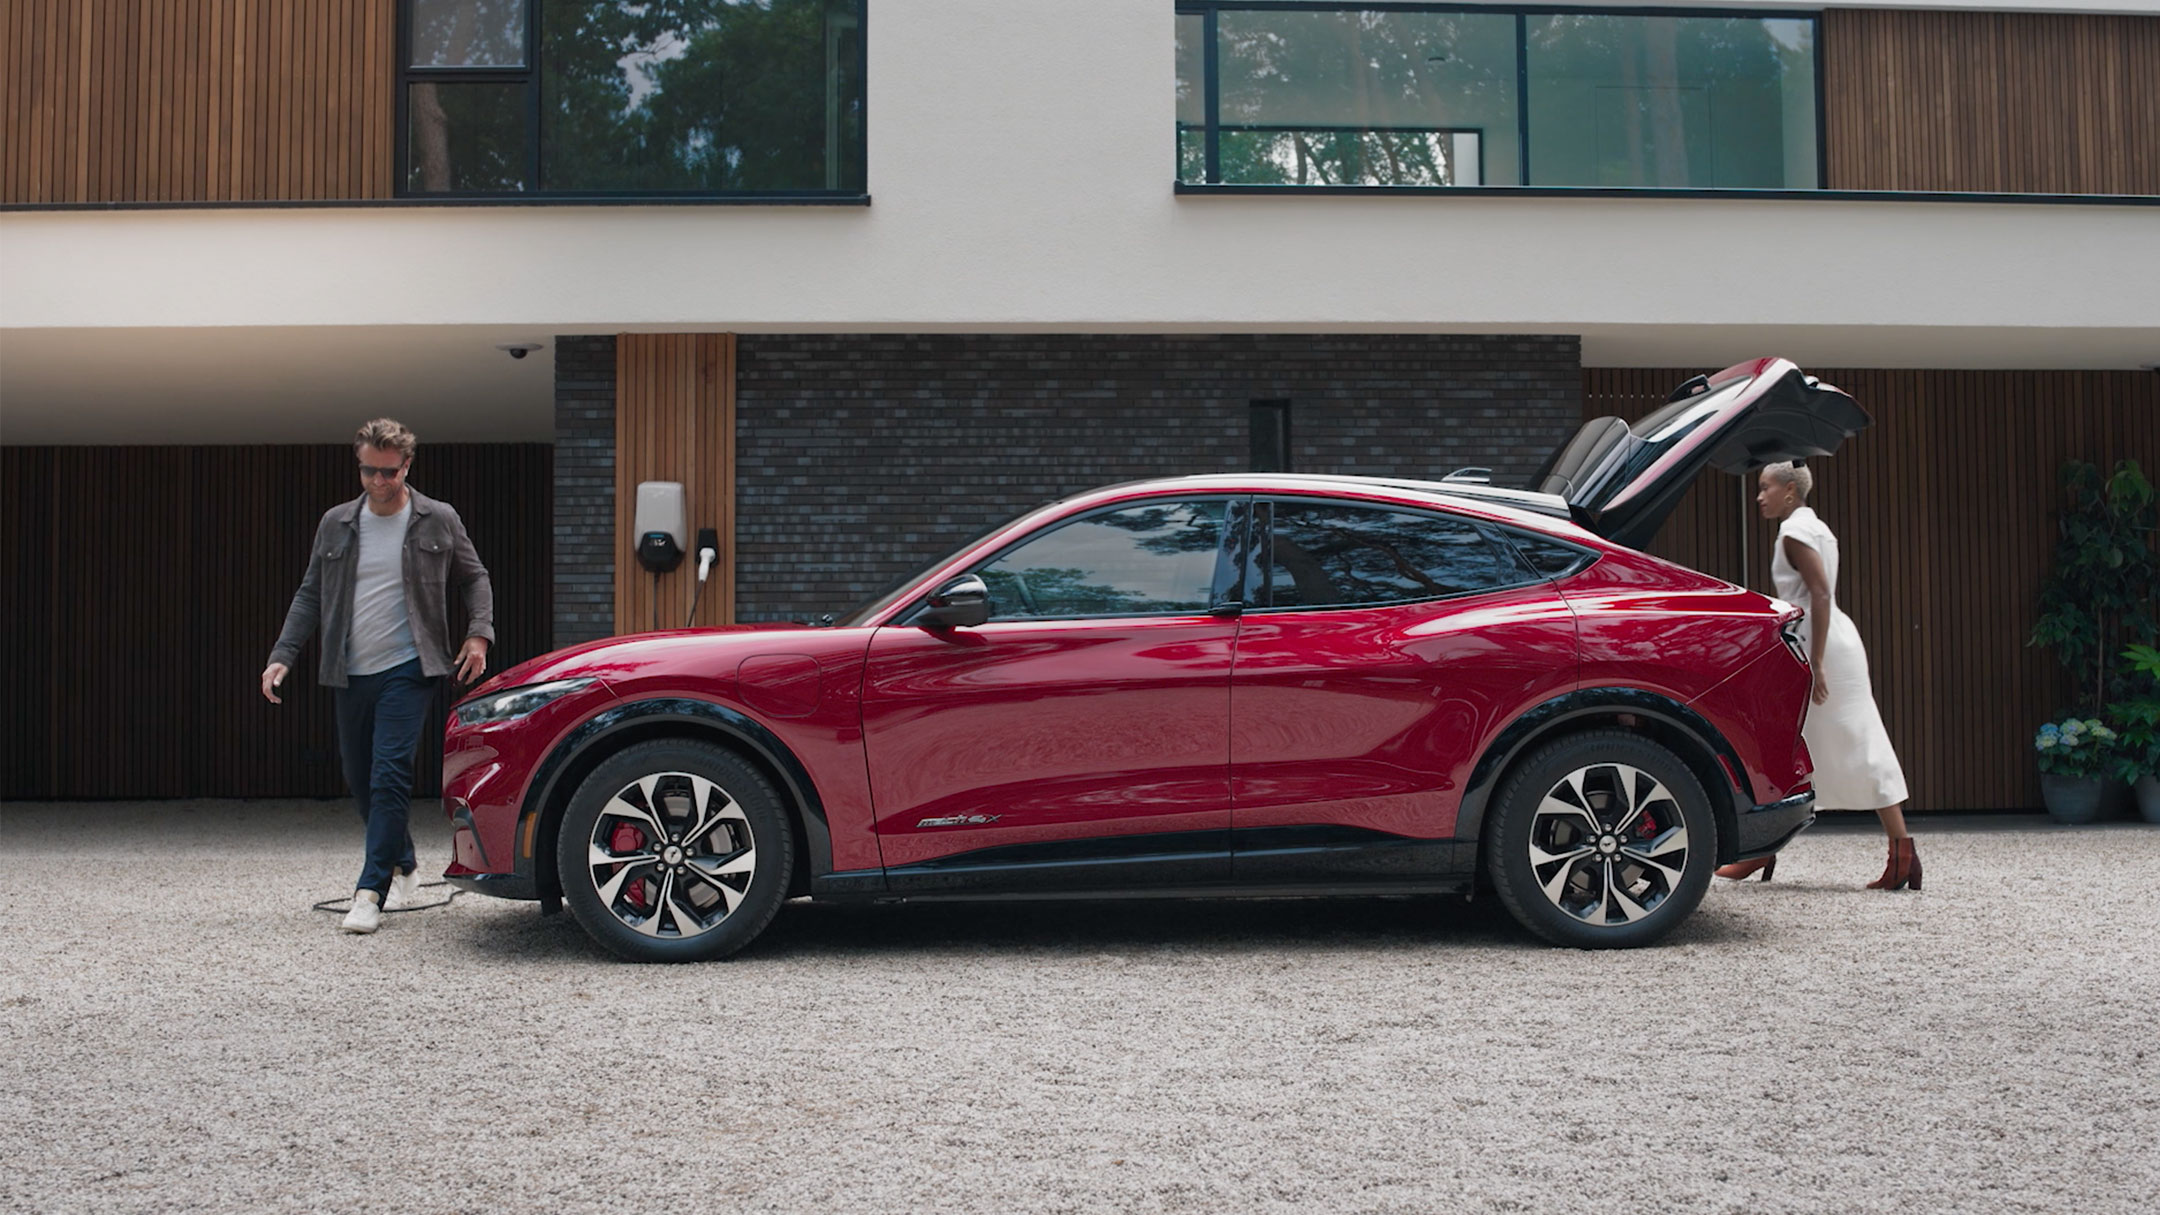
[[1555, 717], [704, 717]]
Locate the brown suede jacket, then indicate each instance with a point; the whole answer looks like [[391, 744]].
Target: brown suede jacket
[[438, 556]]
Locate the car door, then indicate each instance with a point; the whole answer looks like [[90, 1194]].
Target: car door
[[1081, 735], [1382, 647]]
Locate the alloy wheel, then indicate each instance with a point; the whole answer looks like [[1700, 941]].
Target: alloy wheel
[[1608, 844], [671, 855]]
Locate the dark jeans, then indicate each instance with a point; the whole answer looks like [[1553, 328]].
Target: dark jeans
[[379, 718]]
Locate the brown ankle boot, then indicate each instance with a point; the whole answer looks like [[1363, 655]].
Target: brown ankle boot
[[1903, 868], [1740, 871]]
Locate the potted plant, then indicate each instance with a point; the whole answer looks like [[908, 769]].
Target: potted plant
[[2078, 759], [2097, 603], [2137, 719]]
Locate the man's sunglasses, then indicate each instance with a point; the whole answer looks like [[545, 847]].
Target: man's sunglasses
[[387, 474]]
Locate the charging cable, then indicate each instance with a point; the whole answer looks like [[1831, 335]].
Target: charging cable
[[341, 906], [708, 552]]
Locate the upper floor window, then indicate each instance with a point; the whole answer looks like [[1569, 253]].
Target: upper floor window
[[1322, 95], [607, 97]]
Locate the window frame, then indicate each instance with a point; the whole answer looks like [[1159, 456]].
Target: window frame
[[1211, 97], [1258, 575], [529, 75]]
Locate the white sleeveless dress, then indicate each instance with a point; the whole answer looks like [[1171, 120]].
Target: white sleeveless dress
[[1855, 769]]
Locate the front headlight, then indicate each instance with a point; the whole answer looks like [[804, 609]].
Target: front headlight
[[517, 702]]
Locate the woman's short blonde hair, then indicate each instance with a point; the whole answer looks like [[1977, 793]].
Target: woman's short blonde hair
[[1795, 475]]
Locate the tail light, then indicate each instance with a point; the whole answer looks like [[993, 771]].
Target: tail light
[[1789, 633]]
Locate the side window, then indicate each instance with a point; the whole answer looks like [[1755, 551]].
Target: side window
[[1159, 557], [1551, 558], [1331, 554]]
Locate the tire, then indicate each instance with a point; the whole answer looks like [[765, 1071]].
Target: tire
[[675, 851], [1629, 881]]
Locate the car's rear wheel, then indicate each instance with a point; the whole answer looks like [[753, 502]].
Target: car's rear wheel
[[1602, 840], [675, 851]]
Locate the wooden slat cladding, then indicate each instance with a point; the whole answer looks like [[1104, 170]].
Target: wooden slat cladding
[[675, 421], [1944, 512], [197, 100], [2047, 103], [146, 584]]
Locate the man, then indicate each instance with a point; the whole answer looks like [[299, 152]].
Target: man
[[377, 582]]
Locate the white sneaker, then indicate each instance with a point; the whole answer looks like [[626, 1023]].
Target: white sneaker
[[366, 913], [404, 890]]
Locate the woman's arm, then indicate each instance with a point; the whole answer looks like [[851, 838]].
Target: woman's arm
[[1808, 563]]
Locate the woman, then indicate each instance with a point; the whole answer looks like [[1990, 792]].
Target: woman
[[1855, 769]]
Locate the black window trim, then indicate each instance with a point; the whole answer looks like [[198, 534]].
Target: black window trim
[[1263, 517], [1230, 552], [1211, 10], [529, 75]]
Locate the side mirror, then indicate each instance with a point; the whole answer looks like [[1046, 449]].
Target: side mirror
[[962, 603]]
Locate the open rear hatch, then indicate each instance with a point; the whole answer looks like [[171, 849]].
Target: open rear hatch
[[1622, 481]]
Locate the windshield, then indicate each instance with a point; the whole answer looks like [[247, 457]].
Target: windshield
[[904, 587], [897, 589]]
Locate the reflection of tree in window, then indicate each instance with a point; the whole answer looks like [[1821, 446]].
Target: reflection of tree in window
[[1152, 559], [701, 95], [467, 136], [1670, 101], [1341, 555], [468, 33], [1360, 98]]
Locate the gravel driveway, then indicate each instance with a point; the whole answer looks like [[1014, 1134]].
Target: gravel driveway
[[181, 1032]]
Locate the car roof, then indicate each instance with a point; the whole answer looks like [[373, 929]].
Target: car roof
[[1523, 508]]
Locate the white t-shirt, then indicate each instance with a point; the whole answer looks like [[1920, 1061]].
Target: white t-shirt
[[381, 635]]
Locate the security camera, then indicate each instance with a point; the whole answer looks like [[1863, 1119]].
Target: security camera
[[518, 350]]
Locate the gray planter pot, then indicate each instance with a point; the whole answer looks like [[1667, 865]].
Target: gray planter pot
[[2081, 799], [2148, 797]]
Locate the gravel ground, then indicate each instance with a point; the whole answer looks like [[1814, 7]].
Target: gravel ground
[[181, 1032]]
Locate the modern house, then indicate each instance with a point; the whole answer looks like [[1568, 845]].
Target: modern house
[[867, 276]]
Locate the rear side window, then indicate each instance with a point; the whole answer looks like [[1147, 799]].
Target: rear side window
[[1158, 557], [1335, 554], [1549, 557]]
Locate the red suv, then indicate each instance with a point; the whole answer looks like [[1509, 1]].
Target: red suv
[[1246, 685]]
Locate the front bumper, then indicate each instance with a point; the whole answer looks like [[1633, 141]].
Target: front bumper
[[1767, 828], [494, 885]]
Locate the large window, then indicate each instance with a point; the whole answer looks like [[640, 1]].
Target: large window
[[1412, 95], [636, 97]]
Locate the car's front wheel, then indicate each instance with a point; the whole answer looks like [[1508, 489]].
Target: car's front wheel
[[675, 851], [1601, 840]]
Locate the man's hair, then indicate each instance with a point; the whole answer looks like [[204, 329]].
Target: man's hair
[[387, 434], [1793, 474]]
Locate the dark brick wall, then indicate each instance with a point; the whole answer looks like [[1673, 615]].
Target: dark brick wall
[[584, 488], [860, 457]]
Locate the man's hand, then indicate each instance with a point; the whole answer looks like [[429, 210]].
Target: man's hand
[[472, 659], [272, 676]]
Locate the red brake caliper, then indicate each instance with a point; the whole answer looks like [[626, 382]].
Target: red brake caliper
[[626, 838]]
